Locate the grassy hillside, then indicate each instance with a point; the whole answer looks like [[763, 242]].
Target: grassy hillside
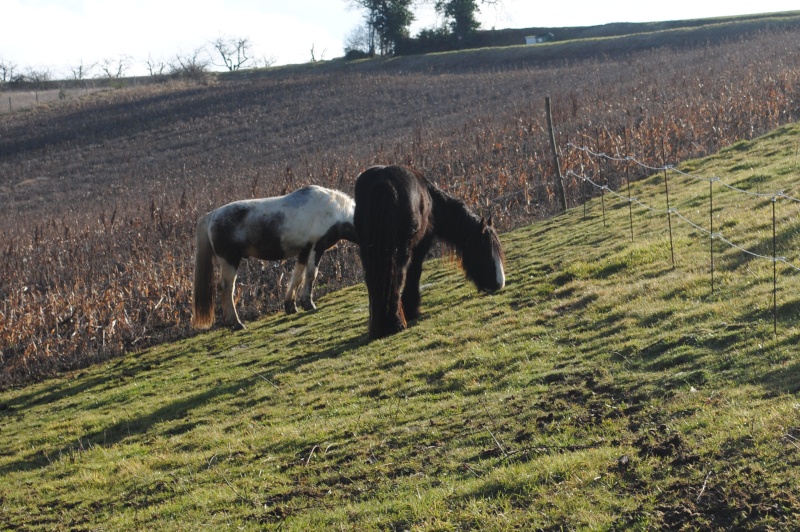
[[603, 388], [101, 194]]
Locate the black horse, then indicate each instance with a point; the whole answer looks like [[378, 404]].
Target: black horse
[[397, 216]]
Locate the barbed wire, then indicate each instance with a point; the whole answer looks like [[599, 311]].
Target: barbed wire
[[668, 167], [672, 210]]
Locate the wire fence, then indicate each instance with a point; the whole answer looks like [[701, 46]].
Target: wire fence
[[670, 212]]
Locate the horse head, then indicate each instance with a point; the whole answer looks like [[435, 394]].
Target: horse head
[[483, 259]]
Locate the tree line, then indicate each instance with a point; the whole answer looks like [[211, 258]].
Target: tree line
[[384, 31], [387, 22], [230, 53]]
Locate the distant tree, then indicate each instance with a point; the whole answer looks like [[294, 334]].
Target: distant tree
[[7, 69], [264, 61], [156, 67], [460, 14], [193, 65], [314, 54], [80, 71], [360, 41], [115, 68], [392, 24], [35, 76], [388, 21], [233, 52]]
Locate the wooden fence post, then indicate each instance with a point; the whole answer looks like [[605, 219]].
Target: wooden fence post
[[774, 273], [711, 220], [559, 177], [628, 182], [669, 210]]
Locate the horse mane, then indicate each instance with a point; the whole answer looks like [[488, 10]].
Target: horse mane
[[456, 225], [450, 216]]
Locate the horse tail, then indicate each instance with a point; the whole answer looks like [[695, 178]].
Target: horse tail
[[203, 294], [378, 232]]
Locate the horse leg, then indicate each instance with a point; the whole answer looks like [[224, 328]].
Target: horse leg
[[298, 275], [388, 308], [312, 267], [229, 314], [291, 291], [411, 298]]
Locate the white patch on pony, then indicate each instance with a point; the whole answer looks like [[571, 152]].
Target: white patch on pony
[[310, 221]]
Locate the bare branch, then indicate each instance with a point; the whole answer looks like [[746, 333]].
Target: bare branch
[[115, 68], [233, 52], [7, 69], [81, 71], [156, 67]]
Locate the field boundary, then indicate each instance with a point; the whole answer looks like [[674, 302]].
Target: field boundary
[[670, 211]]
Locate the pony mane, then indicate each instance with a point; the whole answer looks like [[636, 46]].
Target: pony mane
[[455, 225], [451, 216]]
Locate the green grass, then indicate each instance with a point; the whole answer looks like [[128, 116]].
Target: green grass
[[602, 389]]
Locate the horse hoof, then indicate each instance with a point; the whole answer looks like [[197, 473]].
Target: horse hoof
[[238, 327], [290, 307], [308, 305]]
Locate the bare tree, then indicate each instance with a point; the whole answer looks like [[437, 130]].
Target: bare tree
[[156, 67], [7, 69], [234, 52], [36, 76], [81, 71], [360, 40], [313, 54], [264, 61], [115, 68], [192, 65]]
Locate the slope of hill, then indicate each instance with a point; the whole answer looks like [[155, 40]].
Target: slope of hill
[[604, 388], [101, 194], [681, 33]]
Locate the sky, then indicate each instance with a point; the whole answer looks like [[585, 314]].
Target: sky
[[59, 35]]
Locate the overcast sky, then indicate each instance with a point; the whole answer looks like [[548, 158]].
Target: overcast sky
[[56, 35]]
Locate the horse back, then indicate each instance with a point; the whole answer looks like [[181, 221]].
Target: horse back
[[280, 227], [394, 195]]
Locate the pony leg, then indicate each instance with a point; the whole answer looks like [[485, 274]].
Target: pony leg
[[291, 291], [312, 267], [386, 309], [229, 314], [411, 298]]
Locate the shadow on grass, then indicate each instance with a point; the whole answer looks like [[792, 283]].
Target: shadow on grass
[[60, 390], [130, 427], [298, 361], [783, 381], [134, 426]]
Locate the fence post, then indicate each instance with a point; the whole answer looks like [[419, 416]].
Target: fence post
[[559, 178], [711, 219], [599, 175], [628, 182], [774, 273], [669, 210]]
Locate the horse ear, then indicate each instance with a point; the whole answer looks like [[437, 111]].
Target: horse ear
[[490, 221]]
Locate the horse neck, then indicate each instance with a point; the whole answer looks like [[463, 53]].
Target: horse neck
[[452, 221]]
